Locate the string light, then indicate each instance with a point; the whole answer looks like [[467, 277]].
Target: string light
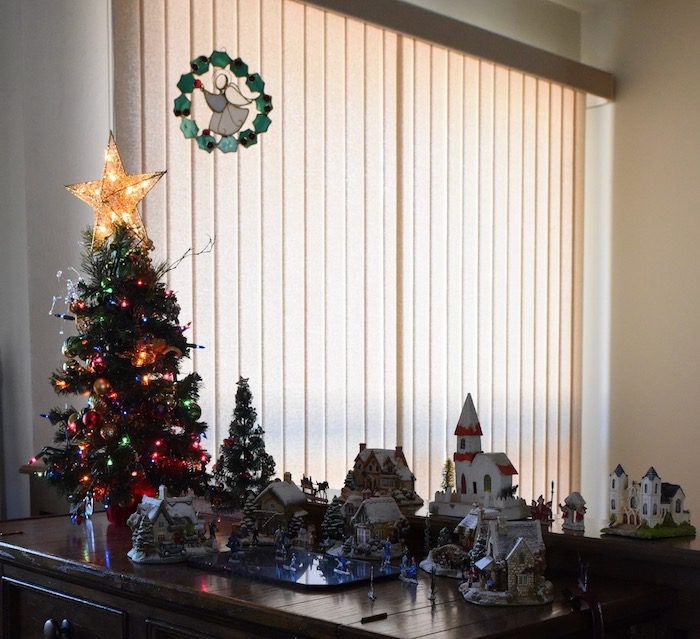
[[115, 196]]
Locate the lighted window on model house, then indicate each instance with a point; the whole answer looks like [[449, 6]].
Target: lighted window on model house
[[408, 230]]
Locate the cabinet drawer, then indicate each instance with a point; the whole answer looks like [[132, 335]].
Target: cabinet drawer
[[27, 607]]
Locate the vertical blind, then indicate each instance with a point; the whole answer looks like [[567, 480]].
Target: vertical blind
[[407, 231]]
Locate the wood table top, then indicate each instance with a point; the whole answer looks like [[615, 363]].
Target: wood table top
[[94, 555]]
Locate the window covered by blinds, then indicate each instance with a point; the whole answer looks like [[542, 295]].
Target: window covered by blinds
[[407, 231]]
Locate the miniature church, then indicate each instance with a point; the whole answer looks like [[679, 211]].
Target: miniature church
[[650, 500], [481, 478]]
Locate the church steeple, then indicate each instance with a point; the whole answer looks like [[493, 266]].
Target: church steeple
[[468, 432]]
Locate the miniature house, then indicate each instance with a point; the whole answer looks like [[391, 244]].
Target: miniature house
[[648, 501], [283, 497], [382, 470], [376, 519], [481, 478], [175, 526]]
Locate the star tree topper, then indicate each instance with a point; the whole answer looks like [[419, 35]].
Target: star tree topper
[[115, 195]]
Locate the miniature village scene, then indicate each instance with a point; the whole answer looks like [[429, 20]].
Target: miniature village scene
[[482, 479], [646, 509]]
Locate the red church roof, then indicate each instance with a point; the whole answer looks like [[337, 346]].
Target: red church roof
[[468, 423], [465, 456]]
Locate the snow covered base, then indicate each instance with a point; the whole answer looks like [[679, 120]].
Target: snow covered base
[[138, 557], [512, 508], [441, 571], [476, 595], [337, 551]]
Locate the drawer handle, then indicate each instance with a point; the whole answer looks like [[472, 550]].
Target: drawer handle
[[53, 630]]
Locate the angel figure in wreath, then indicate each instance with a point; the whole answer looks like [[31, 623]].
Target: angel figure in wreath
[[228, 117]]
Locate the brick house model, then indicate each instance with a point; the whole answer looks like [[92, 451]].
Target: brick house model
[[382, 470]]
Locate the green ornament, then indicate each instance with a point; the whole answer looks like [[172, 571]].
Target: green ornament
[[186, 83], [182, 105], [206, 142], [194, 411], [200, 65], [228, 144], [220, 58], [247, 138], [261, 123], [189, 128], [255, 83], [106, 285], [239, 68]]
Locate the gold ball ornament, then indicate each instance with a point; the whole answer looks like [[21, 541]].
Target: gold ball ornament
[[108, 431], [102, 386]]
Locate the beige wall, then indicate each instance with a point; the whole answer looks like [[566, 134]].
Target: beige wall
[[540, 23], [654, 409]]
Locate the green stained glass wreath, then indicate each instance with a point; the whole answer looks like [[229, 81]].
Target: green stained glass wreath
[[228, 115]]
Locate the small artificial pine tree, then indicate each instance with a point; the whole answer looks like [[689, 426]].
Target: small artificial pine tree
[[144, 541], [478, 550], [333, 524], [296, 522], [140, 428], [350, 481], [444, 537], [243, 464], [448, 475], [248, 524]]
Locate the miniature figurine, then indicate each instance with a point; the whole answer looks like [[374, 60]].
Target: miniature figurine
[[649, 509], [431, 594], [341, 566], [482, 478], [254, 537], [541, 510], [408, 571], [387, 553], [371, 594], [292, 566], [573, 512], [213, 529]]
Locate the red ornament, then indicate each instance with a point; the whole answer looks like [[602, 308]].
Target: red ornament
[[197, 84], [91, 418], [206, 132]]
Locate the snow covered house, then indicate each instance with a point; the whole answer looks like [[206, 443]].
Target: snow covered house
[[649, 500], [174, 529], [281, 497], [375, 520], [481, 478], [382, 470]]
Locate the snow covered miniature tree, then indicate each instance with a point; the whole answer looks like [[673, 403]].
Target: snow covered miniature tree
[[350, 481], [144, 541], [333, 524], [296, 523], [248, 524], [444, 537], [478, 550], [448, 475], [348, 545], [243, 464]]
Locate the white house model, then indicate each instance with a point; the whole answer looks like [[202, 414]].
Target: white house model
[[166, 529], [481, 478], [633, 503]]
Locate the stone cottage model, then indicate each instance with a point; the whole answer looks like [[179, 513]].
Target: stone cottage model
[[647, 501], [481, 478], [375, 520]]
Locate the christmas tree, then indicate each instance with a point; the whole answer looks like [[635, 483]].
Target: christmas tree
[[448, 475], [333, 524], [243, 465], [140, 426]]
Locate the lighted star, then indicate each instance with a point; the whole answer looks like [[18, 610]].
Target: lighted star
[[114, 196]]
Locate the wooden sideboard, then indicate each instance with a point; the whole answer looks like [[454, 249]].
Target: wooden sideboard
[[56, 571]]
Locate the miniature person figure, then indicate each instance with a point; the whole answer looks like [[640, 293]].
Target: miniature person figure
[[386, 553], [213, 529], [293, 563], [404, 563], [234, 543], [341, 566], [254, 537]]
